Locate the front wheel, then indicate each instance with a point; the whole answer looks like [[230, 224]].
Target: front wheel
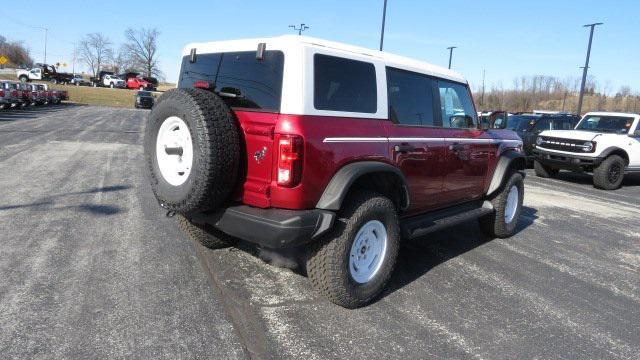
[[111, 85], [502, 223], [544, 171], [610, 173], [353, 263]]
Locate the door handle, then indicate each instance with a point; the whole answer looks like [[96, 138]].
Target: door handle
[[404, 148], [456, 147]]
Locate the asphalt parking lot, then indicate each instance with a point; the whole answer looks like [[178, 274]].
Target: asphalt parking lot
[[90, 267]]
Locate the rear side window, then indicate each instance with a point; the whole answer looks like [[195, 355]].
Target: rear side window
[[256, 84], [456, 105], [410, 98], [344, 85]]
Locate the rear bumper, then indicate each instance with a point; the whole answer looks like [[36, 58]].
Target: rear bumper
[[566, 161], [271, 228]]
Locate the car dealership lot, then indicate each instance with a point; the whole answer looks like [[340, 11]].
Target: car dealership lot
[[90, 267]]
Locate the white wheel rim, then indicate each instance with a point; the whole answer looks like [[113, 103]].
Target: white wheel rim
[[174, 151], [512, 204], [368, 251]]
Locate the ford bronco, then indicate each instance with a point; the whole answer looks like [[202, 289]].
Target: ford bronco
[[334, 150], [604, 143]]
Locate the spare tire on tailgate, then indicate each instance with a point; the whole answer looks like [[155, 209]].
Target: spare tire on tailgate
[[192, 150]]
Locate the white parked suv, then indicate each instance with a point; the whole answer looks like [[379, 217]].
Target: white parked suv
[[605, 143], [113, 81]]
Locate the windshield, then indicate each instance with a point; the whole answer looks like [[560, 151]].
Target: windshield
[[144, 93], [518, 122], [608, 124]]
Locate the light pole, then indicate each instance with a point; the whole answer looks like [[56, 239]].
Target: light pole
[[450, 48], [300, 29], [586, 66], [384, 17]]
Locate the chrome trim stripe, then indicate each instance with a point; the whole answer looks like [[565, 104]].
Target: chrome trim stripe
[[356, 140], [415, 139], [395, 139]]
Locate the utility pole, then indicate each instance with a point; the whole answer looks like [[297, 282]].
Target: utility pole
[[384, 17], [46, 30], [300, 29], [450, 48], [586, 66]]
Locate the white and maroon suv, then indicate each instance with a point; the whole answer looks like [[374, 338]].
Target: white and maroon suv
[[337, 150]]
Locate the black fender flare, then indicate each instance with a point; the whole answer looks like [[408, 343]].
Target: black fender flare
[[613, 149], [507, 158], [338, 187]]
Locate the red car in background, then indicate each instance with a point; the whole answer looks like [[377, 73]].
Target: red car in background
[[138, 83]]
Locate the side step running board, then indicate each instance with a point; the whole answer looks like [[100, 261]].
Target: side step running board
[[421, 225]]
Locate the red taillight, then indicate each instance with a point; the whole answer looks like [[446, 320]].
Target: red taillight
[[201, 84], [1, 93], [14, 93], [289, 160]]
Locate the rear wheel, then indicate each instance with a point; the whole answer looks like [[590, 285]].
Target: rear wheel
[[507, 203], [544, 171], [353, 263], [24, 78], [610, 173], [111, 85]]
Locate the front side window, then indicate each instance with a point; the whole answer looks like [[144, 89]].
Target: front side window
[[608, 124], [344, 85], [456, 105], [410, 97]]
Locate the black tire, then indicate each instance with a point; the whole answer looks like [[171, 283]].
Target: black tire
[[328, 260], [544, 171], [24, 78], [216, 150], [205, 234], [111, 85], [54, 81], [610, 173], [495, 224]]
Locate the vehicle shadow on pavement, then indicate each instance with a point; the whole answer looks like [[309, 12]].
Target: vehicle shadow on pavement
[[418, 256], [587, 179], [49, 202]]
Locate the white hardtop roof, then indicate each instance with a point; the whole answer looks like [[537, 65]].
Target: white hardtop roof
[[610, 113], [289, 40]]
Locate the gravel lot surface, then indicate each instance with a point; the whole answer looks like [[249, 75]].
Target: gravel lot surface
[[91, 268]]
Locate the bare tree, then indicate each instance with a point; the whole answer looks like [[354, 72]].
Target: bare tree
[[122, 61], [95, 49], [142, 49]]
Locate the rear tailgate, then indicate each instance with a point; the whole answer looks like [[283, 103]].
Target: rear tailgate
[[257, 128]]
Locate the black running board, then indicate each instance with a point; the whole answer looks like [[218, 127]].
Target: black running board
[[421, 225]]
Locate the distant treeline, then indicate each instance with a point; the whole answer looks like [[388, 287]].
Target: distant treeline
[[16, 52], [541, 92]]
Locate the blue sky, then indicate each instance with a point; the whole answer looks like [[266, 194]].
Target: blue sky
[[506, 38]]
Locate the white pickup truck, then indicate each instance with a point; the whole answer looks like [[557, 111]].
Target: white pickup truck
[[43, 72], [605, 143]]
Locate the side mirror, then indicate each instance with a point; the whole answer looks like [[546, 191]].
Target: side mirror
[[461, 121]]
